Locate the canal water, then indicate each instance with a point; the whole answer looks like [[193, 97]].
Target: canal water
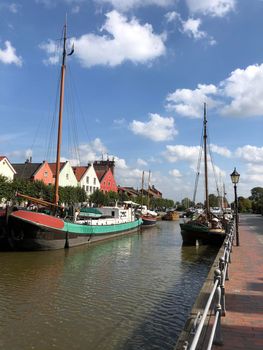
[[130, 293]]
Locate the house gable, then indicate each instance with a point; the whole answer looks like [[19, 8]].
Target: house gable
[[44, 173], [108, 183], [87, 178], [6, 169]]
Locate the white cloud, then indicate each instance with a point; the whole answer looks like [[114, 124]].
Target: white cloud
[[125, 5], [8, 55], [215, 8], [157, 128], [223, 151], [123, 41], [175, 173], [245, 88], [181, 152], [191, 28], [141, 162], [189, 103], [172, 16], [92, 151], [52, 50], [249, 153], [239, 95]]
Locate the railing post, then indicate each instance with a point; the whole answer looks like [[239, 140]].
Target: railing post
[[218, 336], [222, 267]]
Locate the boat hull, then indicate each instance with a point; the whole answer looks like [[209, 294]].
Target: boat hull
[[148, 221], [192, 232], [35, 231]]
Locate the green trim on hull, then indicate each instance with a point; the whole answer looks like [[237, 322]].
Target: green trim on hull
[[99, 229]]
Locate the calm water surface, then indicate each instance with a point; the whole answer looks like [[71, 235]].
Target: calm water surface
[[134, 292]]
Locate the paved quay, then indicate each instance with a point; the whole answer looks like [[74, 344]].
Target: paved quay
[[242, 327]]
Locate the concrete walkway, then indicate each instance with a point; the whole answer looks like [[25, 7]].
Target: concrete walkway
[[242, 327]]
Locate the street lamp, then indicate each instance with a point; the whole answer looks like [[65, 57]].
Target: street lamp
[[235, 178]]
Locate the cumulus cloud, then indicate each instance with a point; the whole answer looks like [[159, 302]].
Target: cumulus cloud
[[189, 103], [52, 51], [8, 55], [172, 16], [191, 28], [223, 151], [125, 5], [120, 40], [92, 151], [175, 173], [158, 128], [214, 8], [239, 95], [244, 87], [249, 153], [180, 152], [141, 162]]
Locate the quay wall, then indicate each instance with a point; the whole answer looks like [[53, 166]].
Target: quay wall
[[198, 308]]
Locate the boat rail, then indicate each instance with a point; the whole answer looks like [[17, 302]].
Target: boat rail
[[217, 295]]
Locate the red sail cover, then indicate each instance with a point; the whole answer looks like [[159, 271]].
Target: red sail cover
[[40, 219]]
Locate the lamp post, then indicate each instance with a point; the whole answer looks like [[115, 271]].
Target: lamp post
[[235, 178]]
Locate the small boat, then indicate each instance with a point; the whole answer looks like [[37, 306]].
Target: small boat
[[149, 217], [30, 230], [171, 215], [206, 227]]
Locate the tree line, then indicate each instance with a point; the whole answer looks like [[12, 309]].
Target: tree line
[[70, 195]]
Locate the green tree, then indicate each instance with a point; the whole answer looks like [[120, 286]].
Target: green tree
[[257, 200], [244, 205]]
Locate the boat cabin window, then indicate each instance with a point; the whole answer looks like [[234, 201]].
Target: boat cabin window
[[113, 213]]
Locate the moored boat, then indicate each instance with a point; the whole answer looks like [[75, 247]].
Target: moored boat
[[30, 230], [171, 215], [206, 227]]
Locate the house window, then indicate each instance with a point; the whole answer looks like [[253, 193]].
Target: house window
[[91, 188], [87, 179], [94, 181], [87, 188], [67, 176], [45, 174], [109, 183]]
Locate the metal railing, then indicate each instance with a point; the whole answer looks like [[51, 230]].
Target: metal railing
[[217, 295]]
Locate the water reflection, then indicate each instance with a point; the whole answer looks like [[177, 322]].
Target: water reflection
[[129, 293]]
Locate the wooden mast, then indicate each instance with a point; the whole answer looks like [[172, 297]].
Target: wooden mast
[[148, 192], [142, 189], [61, 104], [205, 164]]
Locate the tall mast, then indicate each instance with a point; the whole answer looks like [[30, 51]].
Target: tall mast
[[205, 161], [142, 188], [148, 192], [61, 104]]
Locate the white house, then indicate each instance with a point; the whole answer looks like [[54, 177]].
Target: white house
[[87, 178], [66, 174], [6, 168]]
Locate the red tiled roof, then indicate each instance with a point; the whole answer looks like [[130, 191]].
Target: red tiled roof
[[53, 167], [79, 171], [2, 157], [100, 174]]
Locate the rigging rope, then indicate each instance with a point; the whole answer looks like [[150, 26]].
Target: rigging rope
[[198, 166]]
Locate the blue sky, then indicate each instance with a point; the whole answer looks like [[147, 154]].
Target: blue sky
[[136, 85]]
